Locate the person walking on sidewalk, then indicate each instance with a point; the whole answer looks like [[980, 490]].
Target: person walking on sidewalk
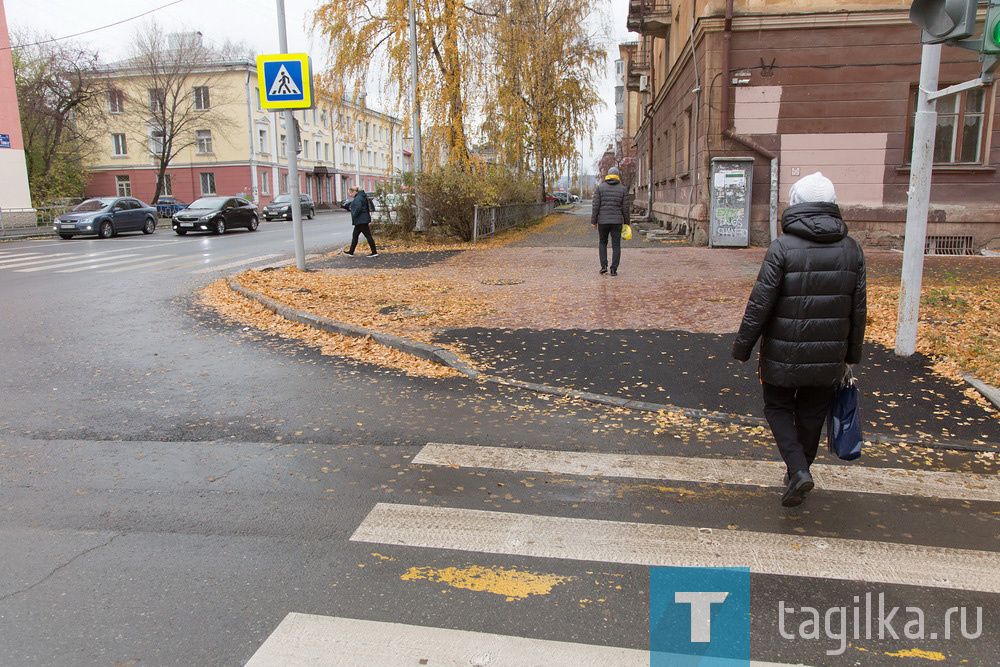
[[361, 218], [808, 306], [609, 212]]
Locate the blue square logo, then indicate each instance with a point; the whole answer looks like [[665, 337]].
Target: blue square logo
[[699, 616]]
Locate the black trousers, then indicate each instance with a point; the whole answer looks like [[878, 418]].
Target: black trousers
[[365, 229], [615, 232], [796, 416]]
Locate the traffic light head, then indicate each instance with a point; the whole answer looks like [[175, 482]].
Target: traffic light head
[[991, 31], [944, 21]]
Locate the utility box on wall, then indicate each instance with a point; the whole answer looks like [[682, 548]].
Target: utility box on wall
[[730, 212]]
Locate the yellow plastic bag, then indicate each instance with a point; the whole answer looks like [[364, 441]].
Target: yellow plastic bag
[[626, 232]]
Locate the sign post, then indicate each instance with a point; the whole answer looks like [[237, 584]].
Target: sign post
[[285, 83]]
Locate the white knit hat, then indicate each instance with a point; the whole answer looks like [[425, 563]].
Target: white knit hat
[[812, 188]]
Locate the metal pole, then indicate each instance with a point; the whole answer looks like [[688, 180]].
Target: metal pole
[[418, 163], [293, 164], [918, 202]]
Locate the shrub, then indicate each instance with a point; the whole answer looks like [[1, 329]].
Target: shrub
[[451, 194]]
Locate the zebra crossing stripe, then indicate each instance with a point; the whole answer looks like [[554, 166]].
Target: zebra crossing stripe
[[678, 546], [241, 262], [131, 264], [327, 641], [59, 265], [136, 267], [27, 260], [853, 478]]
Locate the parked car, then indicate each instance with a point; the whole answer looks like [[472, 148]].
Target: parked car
[[216, 215], [106, 217], [167, 206], [280, 208], [561, 197], [388, 205]]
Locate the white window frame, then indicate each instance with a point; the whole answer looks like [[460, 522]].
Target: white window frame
[[265, 182], [202, 100], [116, 101], [203, 142], [156, 139], [206, 180], [119, 144], [123, 185], [262, 145], [155, 101], [282, 152]]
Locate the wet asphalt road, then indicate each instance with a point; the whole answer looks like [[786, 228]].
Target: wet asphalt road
[[173, 486]]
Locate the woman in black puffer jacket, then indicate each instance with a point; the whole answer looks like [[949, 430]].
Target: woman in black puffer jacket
[[808, 307]]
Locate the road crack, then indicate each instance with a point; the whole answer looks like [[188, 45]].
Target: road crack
[[59, 567]]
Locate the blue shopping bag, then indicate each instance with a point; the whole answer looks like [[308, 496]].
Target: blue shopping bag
[[843, 422]]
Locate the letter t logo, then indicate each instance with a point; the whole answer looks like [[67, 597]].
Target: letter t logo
[[701, 611]]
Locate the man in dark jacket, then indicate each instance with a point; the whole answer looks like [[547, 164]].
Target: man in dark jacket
[[609, 212], [808, 307], [362, 218]]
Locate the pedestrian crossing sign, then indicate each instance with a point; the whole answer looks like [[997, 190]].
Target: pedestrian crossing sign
[[285, 81]]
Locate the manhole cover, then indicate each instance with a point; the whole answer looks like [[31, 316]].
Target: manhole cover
[[402, 311], [503, 281]]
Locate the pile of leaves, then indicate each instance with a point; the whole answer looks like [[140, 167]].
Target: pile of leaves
[[959, 323]]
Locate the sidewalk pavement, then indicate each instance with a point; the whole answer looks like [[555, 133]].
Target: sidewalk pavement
[[661, 331]]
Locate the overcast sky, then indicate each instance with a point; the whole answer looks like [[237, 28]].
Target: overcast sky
[[251, 21]]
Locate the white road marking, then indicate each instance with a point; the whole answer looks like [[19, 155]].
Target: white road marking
[[131, 262], [27, 260], [327, 641], [137, 267], [679, 546], [853, 478], [60, 265], [198, 262], [223, 267]]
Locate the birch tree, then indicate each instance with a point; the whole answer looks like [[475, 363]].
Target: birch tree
[[450, 48], [547, 66]]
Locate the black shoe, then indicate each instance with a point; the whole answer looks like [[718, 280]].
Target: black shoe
[[799, 484], [372, 254], [604, 270], [348, 253], [614, 272]]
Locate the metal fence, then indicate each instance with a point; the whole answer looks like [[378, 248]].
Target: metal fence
[[492, 219], [25, 220]]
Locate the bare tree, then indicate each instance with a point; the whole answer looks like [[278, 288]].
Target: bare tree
[[174, 91], [58, 121]]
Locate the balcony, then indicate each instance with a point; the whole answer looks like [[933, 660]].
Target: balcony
[[649, 17], [637, 70]]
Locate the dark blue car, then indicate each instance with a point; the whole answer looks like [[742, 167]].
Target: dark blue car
[[167, 206]]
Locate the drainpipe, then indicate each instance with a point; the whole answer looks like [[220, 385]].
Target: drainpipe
[[649, 114], [730, 134]]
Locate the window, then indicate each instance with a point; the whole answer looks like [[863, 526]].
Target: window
[[203, 139], [281, 147], [118, 143], [326, 152], [123, 186], [167, 187], [156, 99], [201, 98], [343, 154], [678, 149], [961, 127], [367, 129], [116, 101], [156, 142], [262, 146], [686, 151], [257, 90], [305, 149], [318, 155], [323, 118], [207, 182], [314, 116], [284, 183], [309, 186], [265, 183]]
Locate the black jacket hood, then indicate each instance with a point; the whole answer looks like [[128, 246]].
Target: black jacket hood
[[816, 221]]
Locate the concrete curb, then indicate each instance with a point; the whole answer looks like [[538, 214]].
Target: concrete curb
[[445, 357], [989, 392]]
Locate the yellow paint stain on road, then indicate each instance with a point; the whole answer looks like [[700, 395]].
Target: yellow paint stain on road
[[513, 584], [917, 653]]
